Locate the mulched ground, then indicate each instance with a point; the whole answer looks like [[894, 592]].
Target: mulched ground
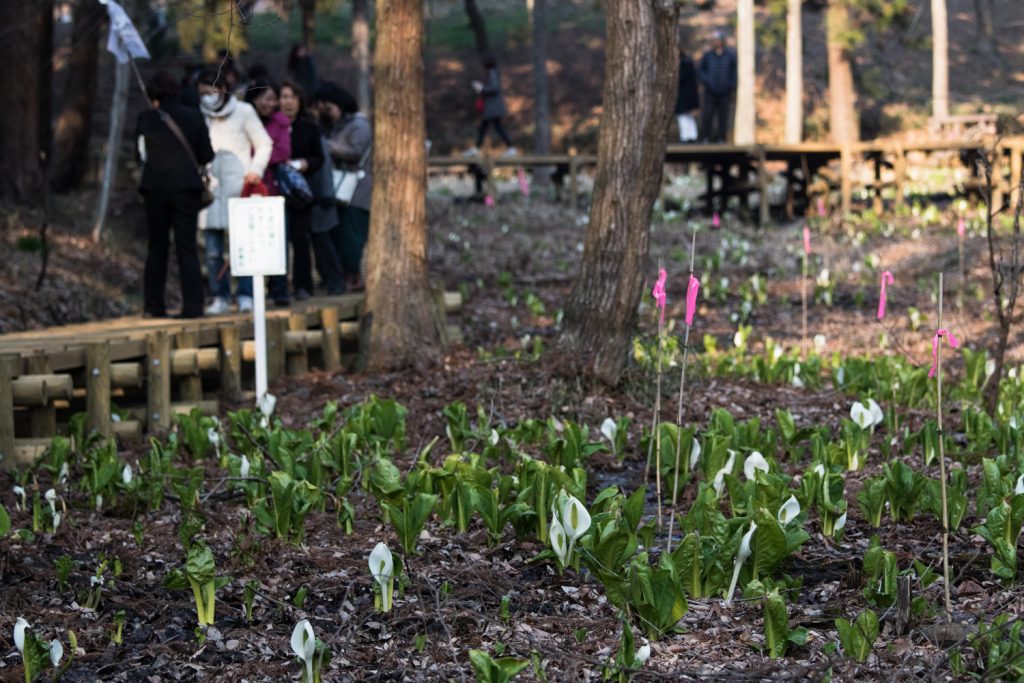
[[453, 597]]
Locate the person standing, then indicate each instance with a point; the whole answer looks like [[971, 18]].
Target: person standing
[[242, 151], [172, 191], [302, 69], [308, 158], [687, 99], [349, 144], [491, 104], [717, 72], [264, 97]]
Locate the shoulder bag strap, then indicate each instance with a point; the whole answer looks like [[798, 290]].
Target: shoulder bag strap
[[172, 124], [366, 156]]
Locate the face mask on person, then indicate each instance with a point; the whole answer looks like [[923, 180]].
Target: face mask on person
[[211, 100]]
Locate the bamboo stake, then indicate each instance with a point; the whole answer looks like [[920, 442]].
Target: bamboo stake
[[679, 411], [803, 305], [656, 440], [942, 466], [963, 270]]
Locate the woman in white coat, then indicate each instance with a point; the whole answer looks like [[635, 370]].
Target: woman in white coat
[[242, 149]]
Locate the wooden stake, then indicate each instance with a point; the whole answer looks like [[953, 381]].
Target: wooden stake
[[97, 386], [803, 305], [275, 348], [330, 345], [679, 412], [158, 382], [942, 465], [298, 362], [191, 384], [656, 433], [42, 419], [8, 367], [230, 363]]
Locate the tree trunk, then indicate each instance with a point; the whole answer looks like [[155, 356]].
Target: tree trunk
[[986, 30], [745, 126], [401, 326], [308, 8], [641, 73], [361, 52], [940, 60], [842, 98], [794, 73], [24, 127], [537, 11], [74, 123], [478, 26]]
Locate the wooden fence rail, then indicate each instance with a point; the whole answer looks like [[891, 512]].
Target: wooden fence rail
[[131, 375]]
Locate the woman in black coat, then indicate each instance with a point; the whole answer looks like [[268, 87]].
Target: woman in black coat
[[307, 157], [687, 99], [172, 190]]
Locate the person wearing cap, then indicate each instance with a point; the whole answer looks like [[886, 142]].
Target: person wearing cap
[[717, 72]]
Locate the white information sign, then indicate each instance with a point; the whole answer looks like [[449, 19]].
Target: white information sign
[[256, 235]]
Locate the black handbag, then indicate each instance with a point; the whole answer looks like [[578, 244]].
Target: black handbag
[[293, 186]]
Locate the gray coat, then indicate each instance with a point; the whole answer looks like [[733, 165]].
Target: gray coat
[[349, 140], [325, 211], [494, 101]]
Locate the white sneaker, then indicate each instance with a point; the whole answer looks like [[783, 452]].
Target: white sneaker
[[218, 306], [471, 152], [511, 152], [244, 304]]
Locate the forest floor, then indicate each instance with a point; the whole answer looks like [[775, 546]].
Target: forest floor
[[514, 264]]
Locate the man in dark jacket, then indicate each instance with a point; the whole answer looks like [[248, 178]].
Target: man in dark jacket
[[172, 189], [717, 72], [687, 99]]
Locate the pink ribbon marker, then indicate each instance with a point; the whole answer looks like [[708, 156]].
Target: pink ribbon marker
[[886, 280], [691, 298], [524, 187], [953, 343], [716, 222], [660, 298], [807, 240], [960, 226], [488, 200], [821, 207]]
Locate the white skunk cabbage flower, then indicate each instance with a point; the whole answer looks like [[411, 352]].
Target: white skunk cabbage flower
[[56, 652], [213, 436], [559, 543], [56, 521], [789, 511], [382, 566], [875, 411], [719, 480], [840, 523], [643, 653], [574, 518], [243, 469], [754, 462], [99, 502], [19, 634], [304, 645], [741, 556], [51, 498], [63, 476], [860, 415], [126, 475], [820, 341], [1019, 488], [694, 453], [609, 429], [990, 368], [266, 404], [495, 437], [20, 492]]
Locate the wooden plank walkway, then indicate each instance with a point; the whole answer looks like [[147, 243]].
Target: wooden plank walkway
[[133, 374], [746, 170]]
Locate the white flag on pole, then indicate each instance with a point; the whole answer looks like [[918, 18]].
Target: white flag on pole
[[124, 41]]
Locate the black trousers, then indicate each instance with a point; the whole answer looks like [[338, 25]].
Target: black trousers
[[715, 116], [299, 223], [177, 213], [326, 249], [498, 128]]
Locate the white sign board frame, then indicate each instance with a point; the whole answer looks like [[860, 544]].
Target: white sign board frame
[[256, 235]]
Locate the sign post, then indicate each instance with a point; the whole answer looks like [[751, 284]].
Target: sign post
[[257, 245]]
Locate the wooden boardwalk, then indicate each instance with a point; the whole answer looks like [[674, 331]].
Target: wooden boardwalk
[[747, 170], [131, 375]]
